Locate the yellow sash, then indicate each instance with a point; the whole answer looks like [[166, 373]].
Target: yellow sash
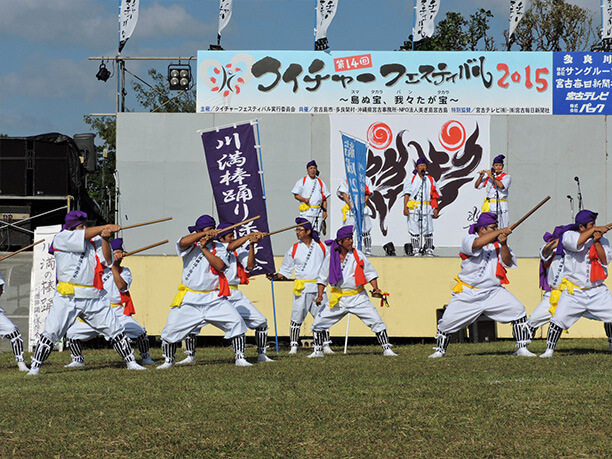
[[115, 305], [345, 210], [67, 289], [555, 293], [412, 204], [485, 205], [299, 285], [336, 294], [304, 207], [182, 291], [459, 287]]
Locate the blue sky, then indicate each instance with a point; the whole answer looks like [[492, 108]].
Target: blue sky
[[47, 83]]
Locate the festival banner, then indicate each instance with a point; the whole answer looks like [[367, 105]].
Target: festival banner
[[128, 17], [233, 167], [326, 10], [42, 282], [382, 83], [582, 83], [517, 11], [425, 12], [456, 148], [225, 14], [355, 158]]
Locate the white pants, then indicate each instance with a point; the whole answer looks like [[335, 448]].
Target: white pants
[[94, 311], [504, 216], [6, 326], [464, 308], [594, 303], [304, 304], [364, 309], [249, 313], [366, 226], [541, 315], [418, 225], [210, 309], [83, 332], [314, 216]]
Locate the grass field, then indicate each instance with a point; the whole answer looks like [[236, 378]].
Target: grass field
[[479, 401]]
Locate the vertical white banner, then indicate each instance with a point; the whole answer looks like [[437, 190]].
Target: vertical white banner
[[456, 148], [42, 281], [225, 14], [425, 14], [517, 11], [128, 17], [606, 18], [326, 10]]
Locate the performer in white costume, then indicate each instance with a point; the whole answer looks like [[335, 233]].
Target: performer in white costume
[[312, 193], [486, 255], [348, 271], [8, 330], [584, 294], [81, 254], [203, 293], [420, 207], [117, 281], [497, 186], [348, 217], [304, 260]]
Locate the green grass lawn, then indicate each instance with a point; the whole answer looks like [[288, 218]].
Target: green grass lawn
[[478, 401]]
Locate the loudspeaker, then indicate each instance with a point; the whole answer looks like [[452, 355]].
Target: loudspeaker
[[10, 236], [13, 167]]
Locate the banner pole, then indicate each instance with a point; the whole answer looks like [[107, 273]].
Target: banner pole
[[263, 187], [348, 323]]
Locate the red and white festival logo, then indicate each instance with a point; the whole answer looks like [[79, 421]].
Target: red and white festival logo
[[228, 79], [379, 136], [452, 135]]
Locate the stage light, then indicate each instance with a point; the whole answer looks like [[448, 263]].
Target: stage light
[[215, 48], [179, 76], [103, 73], [408, 250], [389, 249]]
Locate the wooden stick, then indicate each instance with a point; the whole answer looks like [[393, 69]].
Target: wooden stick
[[236, 225], [521, 220], [284, 229], [145, 248], [21, 250], [146, 223]]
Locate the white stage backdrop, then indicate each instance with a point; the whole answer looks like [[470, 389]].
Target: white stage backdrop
[[456, 147]]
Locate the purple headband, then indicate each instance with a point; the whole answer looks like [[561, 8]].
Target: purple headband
[[421, 160], [499, 159], [584, 217], [485, 219], [305, 223], [335, 267], [203, 222], [549, 237], [117, 244], [73, 219], [313, 163], [224, 225]]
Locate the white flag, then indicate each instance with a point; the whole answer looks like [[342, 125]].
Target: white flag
[[606, 19], [225, 14], [326, 10], [128, 17], [425, 14], [517, 10]]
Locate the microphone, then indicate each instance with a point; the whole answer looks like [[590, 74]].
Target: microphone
[[576, 179], [570, 198]]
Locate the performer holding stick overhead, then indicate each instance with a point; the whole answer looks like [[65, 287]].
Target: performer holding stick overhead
[[203, 293], [304, 258], [485, 256], [497, 186], [81, 254], [348, 271], [117, 281], [584, 294]]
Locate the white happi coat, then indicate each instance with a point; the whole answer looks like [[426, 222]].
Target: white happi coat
[[420, 219], [590, 299], [494, 194], [315, 190], [487, 297], [304, 263], [367, 213]]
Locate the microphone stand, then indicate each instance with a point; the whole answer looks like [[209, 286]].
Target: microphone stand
[[571, 200], [421, 238], [580, 203]]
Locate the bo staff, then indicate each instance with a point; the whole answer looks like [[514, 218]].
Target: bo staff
[[236, 225], [145, 248], [521, 220], [284, 229], [146, 223], [21, 250]]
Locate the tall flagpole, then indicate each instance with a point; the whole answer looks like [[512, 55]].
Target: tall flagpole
[[118, 45], [263, 187], [314, 30], [414, 13]]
